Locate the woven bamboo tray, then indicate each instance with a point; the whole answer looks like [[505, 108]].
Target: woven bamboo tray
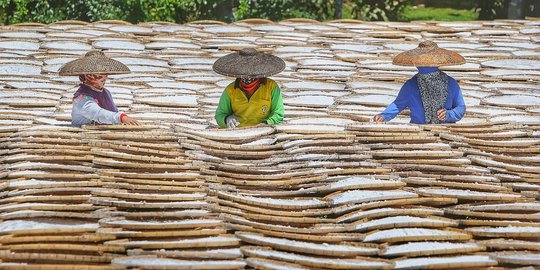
[[456, 184], [446, 162], [271, 218], [166, 182], [384, 127], [517, 258], [275, 203], [136, 165], [306, 247], [125, 156], [169, 234], [268, 175], [316, 238], [113, 202], [152, 262], [267, 211], [151, 175], [242, 153], [499, 143], [382, 212], [506, 244], [317, 229], [30, 227], [458, 178], [30, 145], [499, 223], [67, 247], [363, 196], [31, 184], [200, 144], [468, 195], [156, 188], [243, 134], [416, 234], [212, 254], [148, 197], [47, 214], [77, 238], [266, 264], [316, 262], [415, 249], [417, 154], [507, 232], [133, 136], [155, 225], [486, 161], [165, 148], [60, 258], [491, 215], [404, 221], [46, 198], [502, 207], [120, 127], [181, 243], [78, 266], [470, 261]]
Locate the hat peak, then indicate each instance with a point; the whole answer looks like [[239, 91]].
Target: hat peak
[[248, 52], [427, 44], [94, 53]]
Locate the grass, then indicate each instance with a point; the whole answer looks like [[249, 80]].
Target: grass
[[416, 13]]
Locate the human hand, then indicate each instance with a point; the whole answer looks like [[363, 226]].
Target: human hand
[[378, 118], [129, 121], [441, 114], [232, 121]]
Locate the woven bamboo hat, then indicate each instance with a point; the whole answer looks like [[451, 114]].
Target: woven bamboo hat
[[94, 62], [248, 63], [428, 54]]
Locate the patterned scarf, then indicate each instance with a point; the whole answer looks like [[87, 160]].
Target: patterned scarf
[[250, 85], [434, 92]]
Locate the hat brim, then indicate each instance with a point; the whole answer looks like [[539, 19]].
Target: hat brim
[[428, 57], [93, 65], [255, 66]]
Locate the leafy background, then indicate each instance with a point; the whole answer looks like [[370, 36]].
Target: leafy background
[[181, 11]]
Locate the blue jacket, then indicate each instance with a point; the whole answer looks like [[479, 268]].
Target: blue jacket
[[409, 97]]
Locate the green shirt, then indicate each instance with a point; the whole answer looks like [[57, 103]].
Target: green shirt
[[275, 116]]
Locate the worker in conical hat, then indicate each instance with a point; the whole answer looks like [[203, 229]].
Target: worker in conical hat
[[431, 95], [252, 98], [92, 102]]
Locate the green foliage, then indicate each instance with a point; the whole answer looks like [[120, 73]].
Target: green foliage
[[47, 11], [182, 11], [440, 14], [491, 9], [379, 10], [284, 9]]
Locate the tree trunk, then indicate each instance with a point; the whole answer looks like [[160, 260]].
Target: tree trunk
[[515, 9], [338, 9]]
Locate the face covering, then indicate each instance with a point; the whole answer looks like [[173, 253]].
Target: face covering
[[96, 81], [250, 85], [433, 88]]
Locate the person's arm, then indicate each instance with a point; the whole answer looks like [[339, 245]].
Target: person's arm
[[223, 110], [458, 104], [277, 110], [92, 111], [400, 103]]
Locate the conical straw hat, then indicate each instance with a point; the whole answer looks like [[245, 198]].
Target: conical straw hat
[[248, 63], [94, 62], [428, 54]]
